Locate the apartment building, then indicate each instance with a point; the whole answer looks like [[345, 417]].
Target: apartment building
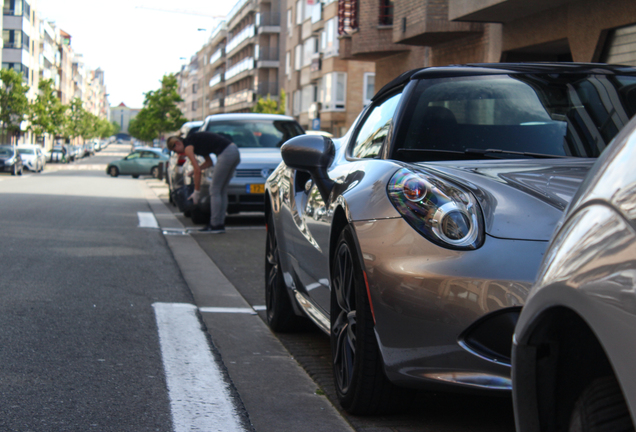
[[50, 58], [323, 90], [215, 78], [190, 90], [19, 34], [399, 35], [66, 90]]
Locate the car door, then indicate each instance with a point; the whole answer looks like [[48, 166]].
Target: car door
[[147, 160], [313, 215], [130, 164]]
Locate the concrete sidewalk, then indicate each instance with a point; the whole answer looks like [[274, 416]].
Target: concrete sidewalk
[[276, 392]]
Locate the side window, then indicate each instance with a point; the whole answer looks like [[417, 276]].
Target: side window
[[375, 129]]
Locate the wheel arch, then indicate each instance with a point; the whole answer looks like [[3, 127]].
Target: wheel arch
[[560, 358]]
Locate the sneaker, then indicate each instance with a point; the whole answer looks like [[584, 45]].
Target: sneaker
[[219, 229]]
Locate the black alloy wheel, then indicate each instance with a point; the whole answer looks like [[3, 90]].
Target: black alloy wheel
[[113, 171], [14, 170], [280, 313], [361, 384]]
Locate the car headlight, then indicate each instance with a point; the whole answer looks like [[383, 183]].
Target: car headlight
[[9, 161], [444, 213]]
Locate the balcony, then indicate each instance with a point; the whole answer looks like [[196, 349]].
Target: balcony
[[266, 88], [243, 65], [216, 79], [216, 103], [268, 22], [240, 97], [266, 57], [502, 11], [218, 54], [246, 33]]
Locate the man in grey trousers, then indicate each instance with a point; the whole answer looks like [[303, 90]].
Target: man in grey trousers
[[227, 158]]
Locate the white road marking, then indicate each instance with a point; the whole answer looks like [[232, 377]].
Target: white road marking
[[199, 397], [228, 310], [259, 307], [147, 220]]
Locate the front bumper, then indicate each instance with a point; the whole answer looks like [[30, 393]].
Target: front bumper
[[424, 296]]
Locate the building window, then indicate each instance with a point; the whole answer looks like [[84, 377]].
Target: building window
[[290, 24], [331, 38], [334, 91], [369, 88], [386, 12], [299, 12], [298, 54], [297, 100], [194, 88], [288, 64], [307, 98], [195, 105], [15, 39], [14, 7], [309, 50]]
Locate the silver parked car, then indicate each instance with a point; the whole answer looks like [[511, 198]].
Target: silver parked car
[[33, 157], [258, 137], [575, 341], [408, 239]]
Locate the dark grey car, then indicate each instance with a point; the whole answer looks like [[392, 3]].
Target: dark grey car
[[434, 211]]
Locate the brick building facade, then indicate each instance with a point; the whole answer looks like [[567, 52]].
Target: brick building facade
[[399, 35]]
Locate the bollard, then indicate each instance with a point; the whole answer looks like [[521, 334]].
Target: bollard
[[160, 173]]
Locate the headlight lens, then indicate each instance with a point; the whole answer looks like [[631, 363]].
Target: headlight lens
[[444, 213]]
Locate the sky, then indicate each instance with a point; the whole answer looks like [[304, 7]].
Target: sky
[[135, 42]]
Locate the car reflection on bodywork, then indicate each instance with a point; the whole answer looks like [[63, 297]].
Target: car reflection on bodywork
[[575, 339], [414, 240]]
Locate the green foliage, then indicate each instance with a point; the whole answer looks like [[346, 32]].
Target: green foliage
[[116, 128], [46, 114], [160, 113], [14, 105], [269, 105]]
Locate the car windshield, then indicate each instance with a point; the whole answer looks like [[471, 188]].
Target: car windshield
[[26, 151], [4, 151], [256, 133], [520, 115]]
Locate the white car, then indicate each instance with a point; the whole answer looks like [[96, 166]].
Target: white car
[[574, 344], [33, 157]]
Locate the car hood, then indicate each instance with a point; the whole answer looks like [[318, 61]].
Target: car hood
[[521, 199]]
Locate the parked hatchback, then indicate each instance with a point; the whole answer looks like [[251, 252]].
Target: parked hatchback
[[32, 157], [10, 160]]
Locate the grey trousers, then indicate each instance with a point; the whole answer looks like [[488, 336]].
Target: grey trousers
[[226, 163]]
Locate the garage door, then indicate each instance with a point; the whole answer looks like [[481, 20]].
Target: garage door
[[621, 46]]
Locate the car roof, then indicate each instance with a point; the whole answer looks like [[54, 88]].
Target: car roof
[[475, 69], [247, 116]]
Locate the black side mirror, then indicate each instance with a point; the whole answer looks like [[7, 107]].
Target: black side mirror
[[314, 154]]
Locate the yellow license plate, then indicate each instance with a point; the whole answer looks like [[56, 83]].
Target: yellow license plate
[[256, 188]]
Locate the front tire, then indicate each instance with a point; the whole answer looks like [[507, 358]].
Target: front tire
[[601, 408], [280, 313], [113, 171], [154, 172], [361, 384]]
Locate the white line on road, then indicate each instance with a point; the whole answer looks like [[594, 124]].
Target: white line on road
[[199, 398], [228, 310], [259, 307], [147, 220]]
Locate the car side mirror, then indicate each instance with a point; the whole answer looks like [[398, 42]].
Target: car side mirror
[[313, 154]]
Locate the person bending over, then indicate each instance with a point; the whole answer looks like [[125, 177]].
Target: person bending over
[[227, 158]]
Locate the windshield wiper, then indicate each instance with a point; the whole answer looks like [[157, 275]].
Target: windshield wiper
[[484, 152]]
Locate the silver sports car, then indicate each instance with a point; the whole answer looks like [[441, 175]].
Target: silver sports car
[[575, 342], [414, 239]]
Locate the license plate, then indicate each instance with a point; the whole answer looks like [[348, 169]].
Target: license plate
[[255, 188]]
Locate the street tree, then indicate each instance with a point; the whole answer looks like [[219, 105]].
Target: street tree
[[160, 113], [14, 105], [45, 112], [269, 105]]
